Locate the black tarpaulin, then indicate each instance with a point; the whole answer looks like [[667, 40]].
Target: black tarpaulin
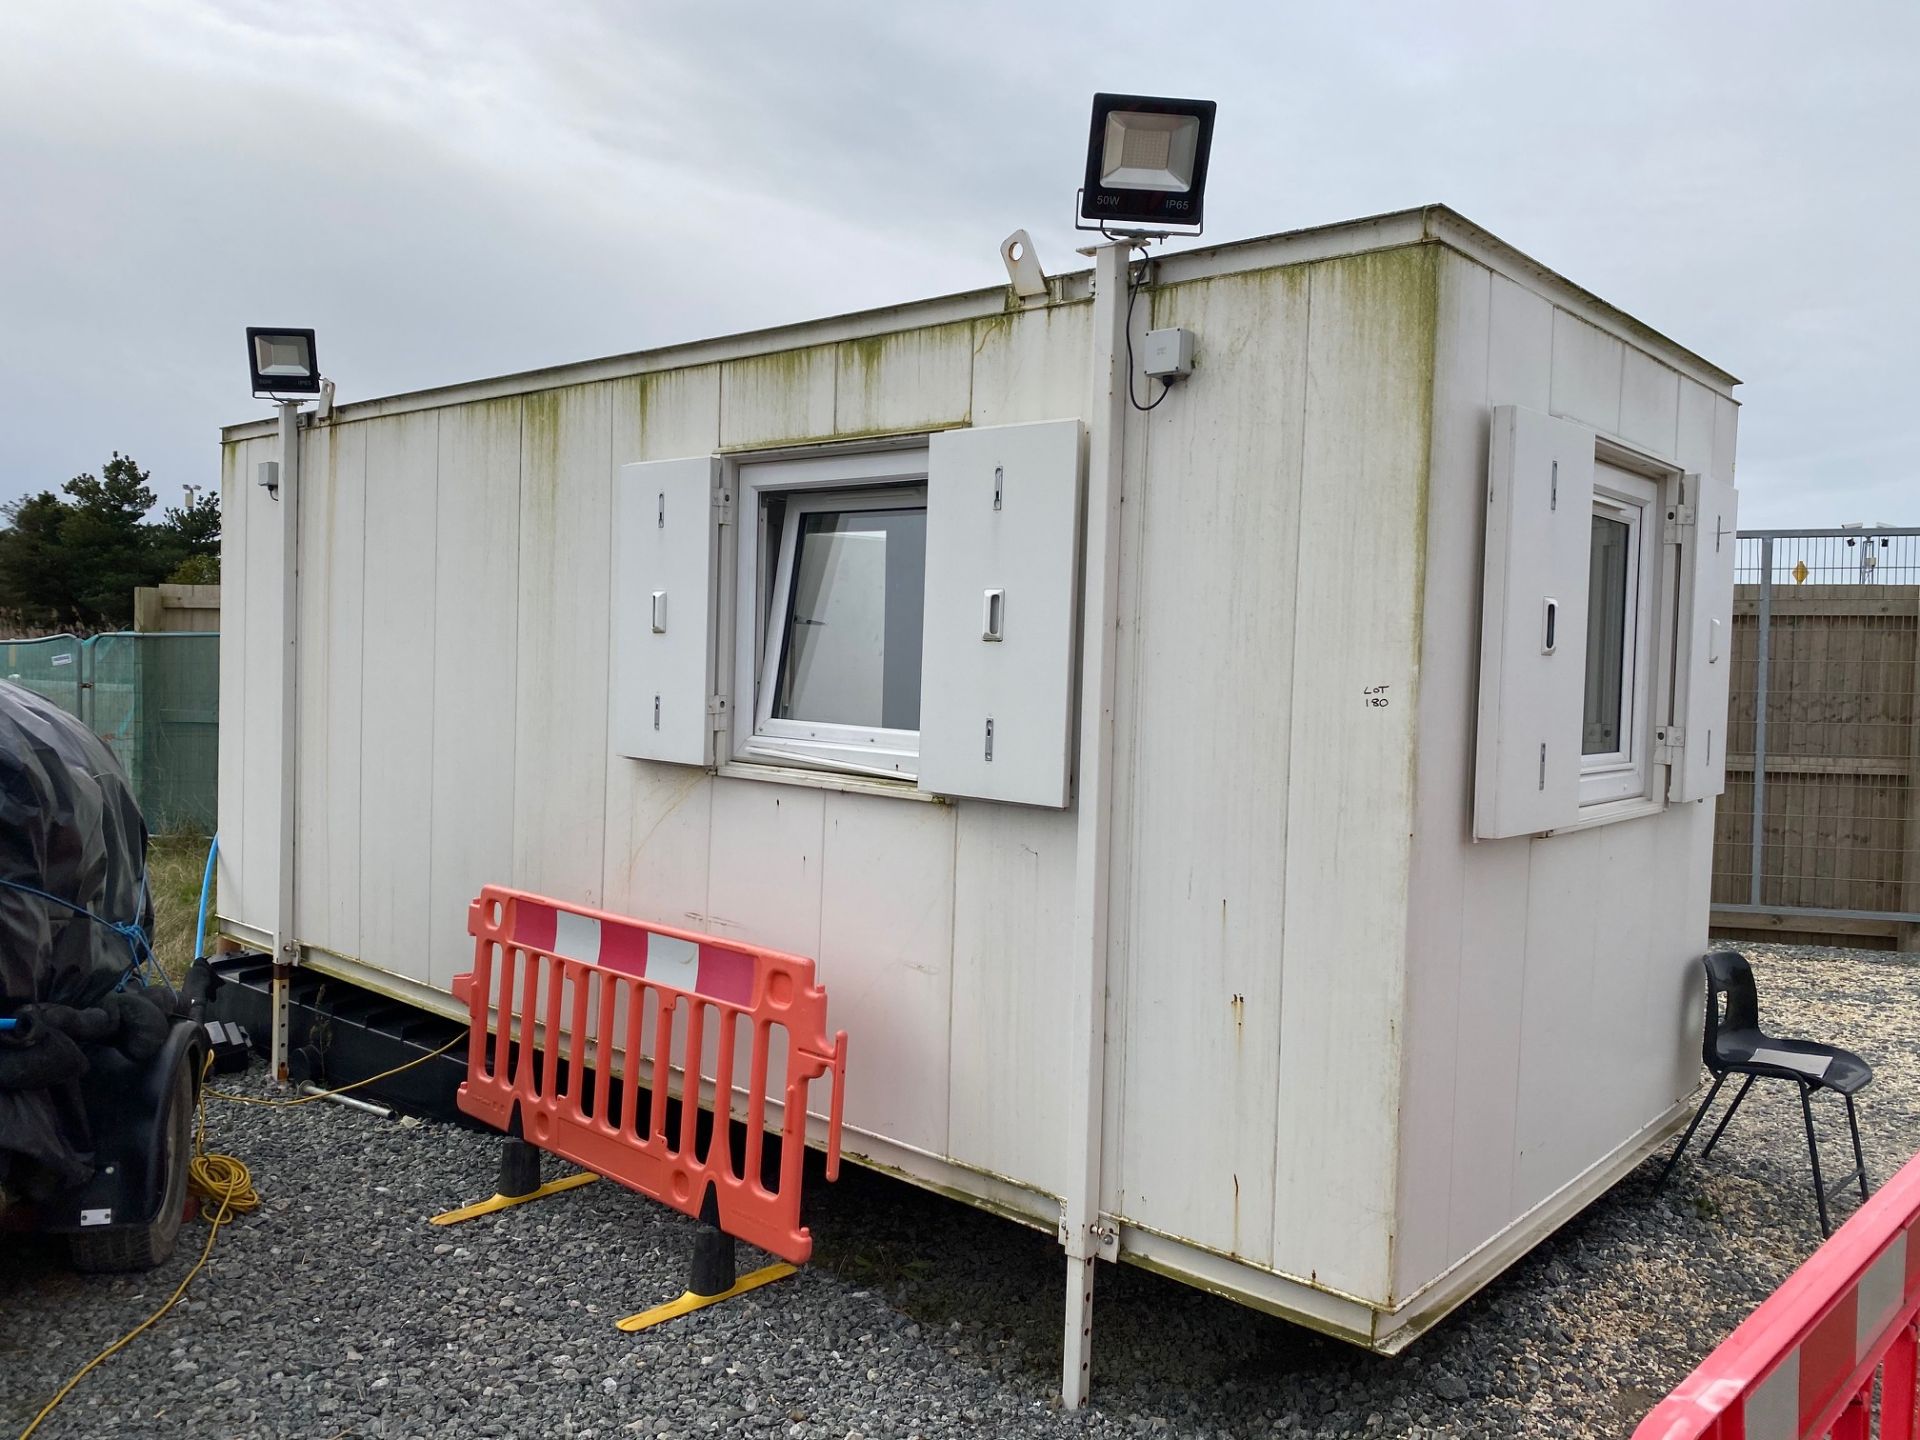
[[69, 828]]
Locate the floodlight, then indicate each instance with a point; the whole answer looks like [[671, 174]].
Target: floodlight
[[1147, 161], [282, 361]]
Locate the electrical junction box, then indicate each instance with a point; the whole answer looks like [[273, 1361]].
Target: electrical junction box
[[1169, 354]]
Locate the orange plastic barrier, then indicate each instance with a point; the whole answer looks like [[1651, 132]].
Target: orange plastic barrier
[[582, 985], [1803, 1364]]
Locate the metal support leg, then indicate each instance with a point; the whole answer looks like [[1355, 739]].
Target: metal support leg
[[1714, 1139], [1692, 1125], [1859, 1157], [279, 1006], [1076, 1370], [1813, 1154]]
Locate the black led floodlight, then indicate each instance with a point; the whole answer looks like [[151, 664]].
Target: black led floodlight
[[1147, 161], [282, 361]]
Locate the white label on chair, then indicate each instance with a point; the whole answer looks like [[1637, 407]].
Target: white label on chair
[[1813, 1066]]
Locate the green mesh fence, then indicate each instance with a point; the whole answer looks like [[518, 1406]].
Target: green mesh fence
[[155, 700], [51, 668]]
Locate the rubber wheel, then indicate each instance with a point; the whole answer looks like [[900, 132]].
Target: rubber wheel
[[141, 1247]]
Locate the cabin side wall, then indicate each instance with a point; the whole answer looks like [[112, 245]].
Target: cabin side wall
[[1264, 793], [1552, 1006], [454, 732], [454, 711]]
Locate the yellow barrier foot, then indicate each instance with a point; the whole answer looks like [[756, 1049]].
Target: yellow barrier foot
[[507, 1202], [690, 1302]]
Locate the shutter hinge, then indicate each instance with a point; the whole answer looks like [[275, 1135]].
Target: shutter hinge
[[1668, 742], [1679, 525], [723, 504]]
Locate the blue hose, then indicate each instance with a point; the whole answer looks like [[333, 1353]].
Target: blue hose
[[206, 889], [8, 1024]]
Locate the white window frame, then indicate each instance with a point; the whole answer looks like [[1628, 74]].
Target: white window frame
[[894, 478], [1625, 774]]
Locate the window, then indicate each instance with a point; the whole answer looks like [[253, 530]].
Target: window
[[1608, 712], [833, 573], [1619, 673], [854, 592], [898, 617]]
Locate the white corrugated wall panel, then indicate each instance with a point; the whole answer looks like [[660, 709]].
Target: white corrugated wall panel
[[475, 665], [332, 611], [398, 722], [1443, 963], [1350, 786], [562, 615], [1206, 760]]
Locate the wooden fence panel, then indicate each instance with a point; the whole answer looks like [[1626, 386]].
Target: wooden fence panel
[[1841, 827]]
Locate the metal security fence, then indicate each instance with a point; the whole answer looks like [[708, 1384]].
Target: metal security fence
[[1818, 833], [155, 700], [50, 667]]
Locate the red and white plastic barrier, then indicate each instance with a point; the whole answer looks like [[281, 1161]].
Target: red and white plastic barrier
[[558, 991], [1802, 1366]]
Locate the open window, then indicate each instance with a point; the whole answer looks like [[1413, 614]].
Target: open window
[[902, 612], [834, 594], [1605, 610], [1617, 690], [906, 612]]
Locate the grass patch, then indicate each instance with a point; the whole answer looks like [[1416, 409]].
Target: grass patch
[[174, 867]]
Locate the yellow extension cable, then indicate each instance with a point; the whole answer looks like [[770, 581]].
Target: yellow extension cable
[[221, 1180]]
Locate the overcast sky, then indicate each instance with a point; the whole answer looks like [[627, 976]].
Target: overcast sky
[[454, 190]]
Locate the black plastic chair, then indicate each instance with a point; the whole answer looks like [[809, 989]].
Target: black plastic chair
[[1734, 1044]]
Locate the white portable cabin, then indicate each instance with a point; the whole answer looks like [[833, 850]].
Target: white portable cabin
[[1265, 835]]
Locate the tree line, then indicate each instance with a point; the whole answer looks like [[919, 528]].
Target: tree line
[[74, 559]]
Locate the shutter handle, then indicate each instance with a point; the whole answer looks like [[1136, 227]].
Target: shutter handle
[[1549, 626], [992, 614], [659, 612]]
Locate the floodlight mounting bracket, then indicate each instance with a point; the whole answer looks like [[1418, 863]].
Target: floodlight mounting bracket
[[322, 402], [1138, 237]]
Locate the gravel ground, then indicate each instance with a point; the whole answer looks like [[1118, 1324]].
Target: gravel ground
[[336, 1311]]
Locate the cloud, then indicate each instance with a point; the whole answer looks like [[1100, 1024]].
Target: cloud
[[450, 190]]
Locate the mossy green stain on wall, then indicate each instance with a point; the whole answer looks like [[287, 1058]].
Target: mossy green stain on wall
[[663, 414], [540, 452], [783, 398], [904, 380], [1393, 299]]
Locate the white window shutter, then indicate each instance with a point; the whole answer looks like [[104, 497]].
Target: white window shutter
[[664, 549], [1706, 639], [1003, 573], [1533, 624]]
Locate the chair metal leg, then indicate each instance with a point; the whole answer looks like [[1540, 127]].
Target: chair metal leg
[[1692, 1125], [1859, 1158], [1714, 1139], [1813, 1154]]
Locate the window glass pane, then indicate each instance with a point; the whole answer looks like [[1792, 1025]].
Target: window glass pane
[[1607, 627], [852, 646]]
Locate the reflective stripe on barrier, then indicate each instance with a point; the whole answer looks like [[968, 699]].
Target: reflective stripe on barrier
[[586, 985], [1803, 1364]]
